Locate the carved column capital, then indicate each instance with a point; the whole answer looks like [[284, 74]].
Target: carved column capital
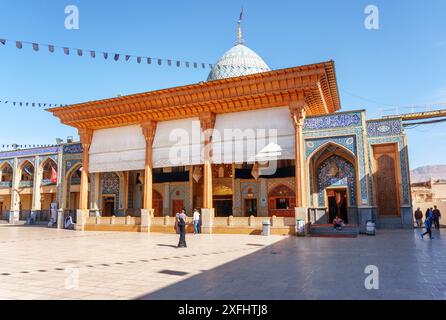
[[207, 123], [149, 130], [207, 120], [298, 110], [85, 135]]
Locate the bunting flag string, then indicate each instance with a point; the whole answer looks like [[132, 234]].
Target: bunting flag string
[[120, 56], [30, 104], [14, 147]]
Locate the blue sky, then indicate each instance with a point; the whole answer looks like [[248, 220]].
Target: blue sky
[[403, 63]]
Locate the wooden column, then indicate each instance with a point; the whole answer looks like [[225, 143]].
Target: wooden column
[[207, 122], [297, 111], [85, 136], [149, 129]]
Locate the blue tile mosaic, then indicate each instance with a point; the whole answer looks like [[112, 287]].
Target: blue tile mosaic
[[333, 121], [72, 148], [333, 172], [383, 128]]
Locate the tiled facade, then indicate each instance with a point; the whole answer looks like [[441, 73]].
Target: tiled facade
[[350, 132]]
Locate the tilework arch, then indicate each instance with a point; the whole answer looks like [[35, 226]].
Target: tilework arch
[[361, 154], [318, 157]]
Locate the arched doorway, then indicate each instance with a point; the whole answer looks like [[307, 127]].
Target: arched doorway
[[71, 189], [48, 171], [281, 201], [25, 190], [336, 186], [333, 181], [6, 175], [110, 194]]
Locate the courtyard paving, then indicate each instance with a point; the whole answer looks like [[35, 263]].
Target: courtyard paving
[[42, 263]]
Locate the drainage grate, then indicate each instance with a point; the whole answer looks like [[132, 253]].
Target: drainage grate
[[174, 272]]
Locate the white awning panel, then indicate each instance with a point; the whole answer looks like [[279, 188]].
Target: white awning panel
[[117, 149], [177, 143], [257, 135]]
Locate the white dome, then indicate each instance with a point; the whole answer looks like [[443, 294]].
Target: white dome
[[236, 62]]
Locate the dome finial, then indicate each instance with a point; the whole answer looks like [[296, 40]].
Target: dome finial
[[239, 30]]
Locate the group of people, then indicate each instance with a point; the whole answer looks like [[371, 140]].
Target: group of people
[[181, 223], [432, 217]]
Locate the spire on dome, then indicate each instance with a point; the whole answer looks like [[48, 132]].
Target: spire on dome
[[239, 30]]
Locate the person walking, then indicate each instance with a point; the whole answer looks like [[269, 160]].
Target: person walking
[[181, 221], [428, 225], [436, 217], [419, 217], [428, 212], [196, 221]]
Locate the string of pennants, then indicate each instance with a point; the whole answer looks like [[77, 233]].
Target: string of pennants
[[118, 56], [12, 147], [31, 104]]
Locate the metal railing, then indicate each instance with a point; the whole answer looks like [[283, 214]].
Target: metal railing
[[5, 184], [25, 184]]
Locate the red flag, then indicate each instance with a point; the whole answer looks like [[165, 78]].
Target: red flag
[[53, 175]]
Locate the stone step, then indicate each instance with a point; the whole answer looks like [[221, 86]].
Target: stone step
[[329, 231]]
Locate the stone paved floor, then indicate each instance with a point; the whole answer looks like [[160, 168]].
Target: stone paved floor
[[41, 263]]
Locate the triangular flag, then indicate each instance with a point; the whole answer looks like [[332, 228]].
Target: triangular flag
[[105, 55], [127, 57], [93, 54], [3, 41], [149, 60], [178, 63], [187, 64], [116, 57], [195, 65], [79, 52], [18, 44], [35, 46], [66, 51], [169, 62], [138, 59], [51, 48], [159, 62]]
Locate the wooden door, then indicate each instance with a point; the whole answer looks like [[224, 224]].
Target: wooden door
[[1, 210], [108, 206], [177, 206], [385, 179], [157, 203]]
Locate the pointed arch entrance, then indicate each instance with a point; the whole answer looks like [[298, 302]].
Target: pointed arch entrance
[[333, 182]]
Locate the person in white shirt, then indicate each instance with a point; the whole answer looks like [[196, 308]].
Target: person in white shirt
[[196, 221]]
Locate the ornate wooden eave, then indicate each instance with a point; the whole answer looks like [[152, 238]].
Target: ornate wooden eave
[[315, 84]]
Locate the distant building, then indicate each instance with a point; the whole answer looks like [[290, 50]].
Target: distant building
[[433, 190]]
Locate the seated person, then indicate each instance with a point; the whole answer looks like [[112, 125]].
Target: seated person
[[69, 223], [337, 223]]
